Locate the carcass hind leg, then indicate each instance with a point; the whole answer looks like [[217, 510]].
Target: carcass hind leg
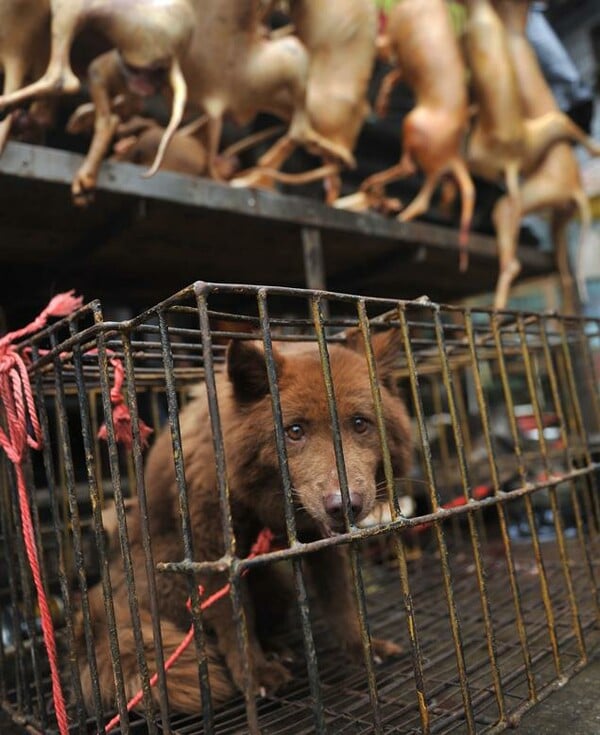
[[5, 126], [585, 231], [560, 220], [214, 126], [58, 78], [14, 74], [84, 181], [467, 196], [278, 153], [508, 273], [332, 184], [405, 167], [371, 194], [302, 132], [320, 145], [270, 161], [544, 131], [506, 217], [420, 204], [105, 127]]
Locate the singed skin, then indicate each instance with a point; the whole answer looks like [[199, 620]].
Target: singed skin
[[420, 41], [505, 139], [340, 40], [24, 47], [554, 183]]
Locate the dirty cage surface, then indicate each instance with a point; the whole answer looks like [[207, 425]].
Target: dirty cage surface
[[481, 562]]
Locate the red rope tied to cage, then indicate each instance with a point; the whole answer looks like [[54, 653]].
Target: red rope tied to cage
[[120, 414], [16, 397], [479, 493], [262, 545]]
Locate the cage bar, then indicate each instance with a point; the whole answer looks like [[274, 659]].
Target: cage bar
[[489, 580]]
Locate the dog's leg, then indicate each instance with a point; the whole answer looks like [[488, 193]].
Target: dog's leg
[[282, 66], [272, 591], [266, 676], [331, 575]]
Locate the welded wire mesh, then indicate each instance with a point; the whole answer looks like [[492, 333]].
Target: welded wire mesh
[[481, 562]]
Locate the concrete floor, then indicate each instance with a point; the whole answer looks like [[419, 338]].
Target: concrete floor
[[573, 710]]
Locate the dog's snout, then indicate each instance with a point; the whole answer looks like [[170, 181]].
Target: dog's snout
[[334, 506]]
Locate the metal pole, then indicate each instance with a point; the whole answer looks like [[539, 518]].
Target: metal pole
[[314, 263]]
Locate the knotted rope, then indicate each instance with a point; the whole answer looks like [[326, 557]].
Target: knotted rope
[[16, 397], [120, 412]]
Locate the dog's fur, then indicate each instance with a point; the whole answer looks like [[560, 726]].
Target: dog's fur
[[256, 501]]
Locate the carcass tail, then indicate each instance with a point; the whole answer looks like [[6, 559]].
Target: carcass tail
[[179, 86], [467, 195]]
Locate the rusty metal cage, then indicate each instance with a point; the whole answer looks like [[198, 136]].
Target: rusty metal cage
[[488, 575]]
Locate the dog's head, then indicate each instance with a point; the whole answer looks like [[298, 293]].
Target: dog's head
[[307, 423]]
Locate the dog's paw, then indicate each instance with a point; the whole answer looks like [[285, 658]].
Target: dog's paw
[[270, 676], [382, 649], [276, 649], [267, 676], [283, 654]]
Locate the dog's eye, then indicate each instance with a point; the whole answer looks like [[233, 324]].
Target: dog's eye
[[360, 424], [295, 432]]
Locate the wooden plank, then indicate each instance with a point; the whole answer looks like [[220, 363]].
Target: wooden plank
[[57, 166]]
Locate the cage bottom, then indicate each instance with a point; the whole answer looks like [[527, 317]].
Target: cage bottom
[[346, 704]]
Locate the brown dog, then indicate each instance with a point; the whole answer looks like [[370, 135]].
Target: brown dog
[[256, 500]]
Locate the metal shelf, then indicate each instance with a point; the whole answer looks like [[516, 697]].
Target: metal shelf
[[149, 237]]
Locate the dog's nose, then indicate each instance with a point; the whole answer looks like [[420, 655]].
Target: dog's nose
[[334, 506]]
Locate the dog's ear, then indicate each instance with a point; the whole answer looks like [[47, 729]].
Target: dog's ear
[[386, 349], [247, 370]]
